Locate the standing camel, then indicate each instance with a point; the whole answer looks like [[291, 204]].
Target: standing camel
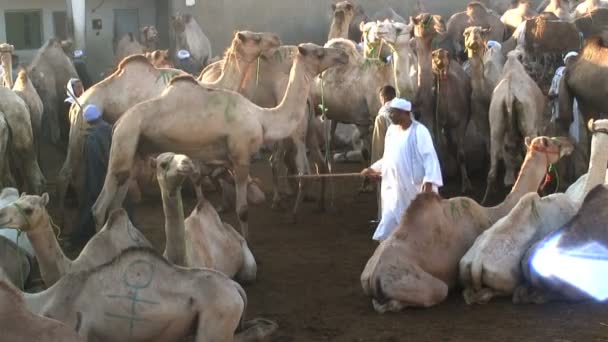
[[221, 125]]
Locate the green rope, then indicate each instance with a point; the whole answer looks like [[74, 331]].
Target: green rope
[[21, 273], [553, 169], [257, 73], [395, 57]]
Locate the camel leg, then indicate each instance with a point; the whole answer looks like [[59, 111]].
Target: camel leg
[[303, 167], [409, 286], [275, 160], [256, 330], [317, 158], [456, 145], [106, 198], [497, 134], [241, 173], [217, 324], [483, 296]]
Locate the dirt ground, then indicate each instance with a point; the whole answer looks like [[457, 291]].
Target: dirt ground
[[308, 281]]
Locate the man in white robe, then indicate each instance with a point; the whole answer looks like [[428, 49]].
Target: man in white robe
[[408, 166]]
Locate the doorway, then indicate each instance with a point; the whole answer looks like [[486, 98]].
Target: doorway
[[125, 21]]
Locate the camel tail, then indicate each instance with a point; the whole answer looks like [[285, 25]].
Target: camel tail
[[477, 273]]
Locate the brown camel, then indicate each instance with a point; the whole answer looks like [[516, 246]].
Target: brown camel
[[585, 81], [234, 128], [189, 36], [29, 214], [453, 112], [139, 296], [160, 58], [359, 15], [50, 72], [476, 14], [19, 324], [588, 6], [137, 72], [516, 110], [593, 23], [25, 89], [418, 263], [128, 44]]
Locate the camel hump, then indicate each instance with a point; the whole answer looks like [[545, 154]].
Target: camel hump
[[117, 217], [132, 59], [476, 5], [419, 205], [185, 78]]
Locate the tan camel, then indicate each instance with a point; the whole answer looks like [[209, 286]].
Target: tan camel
[[15, 249], [201, 240], [139, 296], [453, 98], [6, 58], [418, 263], [29, 214], [476, 14], [343, 14], [50, 72], [21, 142], [25, 89], [517, 109], [485, 68], [189, 36], [160, 59], [515, 16], [20, 324], [233, 128], [128, 45], [136, 72], [491, 267]]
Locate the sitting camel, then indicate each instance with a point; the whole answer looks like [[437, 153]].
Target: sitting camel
[[517, 109], [233, 128], [139, 296], [128, 45], [418, 263], [29, 214], [491, 267], [453, 96], [136, 71], [545, 267], [20, 324], [207, 242]]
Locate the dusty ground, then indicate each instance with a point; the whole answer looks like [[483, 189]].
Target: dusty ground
[[308, 282]]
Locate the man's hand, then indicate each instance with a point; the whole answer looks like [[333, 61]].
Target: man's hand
[[427, 187], [371, 173]]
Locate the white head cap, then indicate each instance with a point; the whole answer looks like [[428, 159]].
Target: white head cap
[[570, 54], [492, 43], [183, 54], [78, 53], [402, 104]]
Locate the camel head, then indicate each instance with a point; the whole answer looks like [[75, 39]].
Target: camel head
[[26, 213], [475, 40], [427, 26], [318, 59], [343, 11], [149, 34], [441, 63], [554, 148], [171, 170], [392, 32], [251, 45], [160, 58], [179, 22]]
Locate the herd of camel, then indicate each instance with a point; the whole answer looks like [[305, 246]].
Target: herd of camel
[[120, 289]]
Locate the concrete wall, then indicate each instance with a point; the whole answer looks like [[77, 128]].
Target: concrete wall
[[99, 44], [295, 21], [47, 7]]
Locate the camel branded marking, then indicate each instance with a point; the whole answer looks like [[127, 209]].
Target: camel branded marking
[[138, 276]]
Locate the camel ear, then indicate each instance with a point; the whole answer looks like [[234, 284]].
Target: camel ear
[[45, 198], [241, 37], [349, 7], [302, 50], [591, 125], [528, 141]]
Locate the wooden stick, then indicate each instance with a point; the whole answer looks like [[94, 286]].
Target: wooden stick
[[327, 175]]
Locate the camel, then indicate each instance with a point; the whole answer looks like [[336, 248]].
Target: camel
[[50, 71], [359, 15], [201, 240], [20, 142], [160, 59], [561, 8], [189, 36], [588, 6], [515, 16], [593, 23], [29, 214], [6, 52], [128, 45], [15, 250], [517, 109], [476, 14], [343, 14], [416, 267], [136, 71], [233, 128], [25, 89], [491, 267], [20, 324], [583, 80], [549, 272], [139, 296], [453, 96]]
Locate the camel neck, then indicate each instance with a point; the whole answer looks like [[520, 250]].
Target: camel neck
[[531, 174], [232, 73], [51, 259], [338, 29], [477, 72], [402, 64], [425, 66], [175, 244], [597, 161], [279, 122], [7, 67]]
